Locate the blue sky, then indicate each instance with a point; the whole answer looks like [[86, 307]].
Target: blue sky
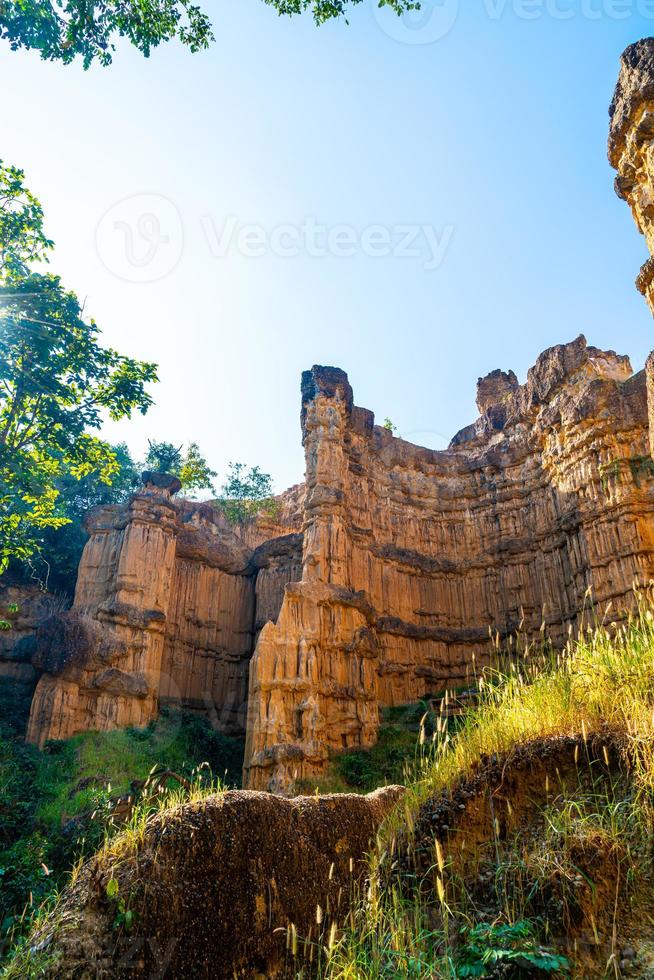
[[172, 186]]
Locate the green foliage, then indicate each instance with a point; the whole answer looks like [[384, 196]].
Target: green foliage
[[47, 798], [194, 472], [246, 493], [191, 466], [22, 239], [324, 10], [56, 383], [488, 949], [388, 424], [124, 917], [63, 30], [163, 457]]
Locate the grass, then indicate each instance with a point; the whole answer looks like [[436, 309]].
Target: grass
[[55, 805], [566, 893], [563, 893]]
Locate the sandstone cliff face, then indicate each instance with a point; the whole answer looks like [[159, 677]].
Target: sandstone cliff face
[[383, 577], [631, 146], [164, 612], [380, 581], [413, 557]]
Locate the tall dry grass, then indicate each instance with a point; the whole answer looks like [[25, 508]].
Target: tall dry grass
[[602, 682]]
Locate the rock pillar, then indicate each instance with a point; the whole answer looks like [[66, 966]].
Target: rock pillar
[[631, 147], [102, 662], [312, 677]]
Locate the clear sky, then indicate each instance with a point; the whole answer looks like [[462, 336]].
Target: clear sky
[[242, 214]]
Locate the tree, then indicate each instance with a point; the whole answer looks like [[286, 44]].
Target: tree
[[22, 239], [194, 472], [62, 30], [163, 457], [190, 467], [60, 549], [390, 425], [56, 382], [247, 493]]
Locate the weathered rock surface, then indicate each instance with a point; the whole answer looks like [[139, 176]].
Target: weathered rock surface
[[216, 886], [380, 580], [412, 557], [23, 608], [631, 146], [164, 612]]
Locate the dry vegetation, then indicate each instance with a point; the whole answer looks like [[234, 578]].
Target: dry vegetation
[[524, 847]]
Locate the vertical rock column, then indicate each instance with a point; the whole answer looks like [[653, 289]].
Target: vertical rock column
[[102, 669], [631, 153], [631, 147], [313, 674]]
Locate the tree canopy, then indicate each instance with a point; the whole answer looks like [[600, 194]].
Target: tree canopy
[[246, 493], [63, 30], [57, 382], [60, 548], [190, 467]]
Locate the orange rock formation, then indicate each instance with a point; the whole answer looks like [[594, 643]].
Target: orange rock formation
[[413, 557], [381, 580], [387, 573]]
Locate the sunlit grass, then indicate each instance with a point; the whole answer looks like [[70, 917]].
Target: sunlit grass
[[602, 683]]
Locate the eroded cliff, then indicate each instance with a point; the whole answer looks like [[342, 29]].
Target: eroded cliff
[[164, 612], [414, 558], [390, 572], [386, 577]]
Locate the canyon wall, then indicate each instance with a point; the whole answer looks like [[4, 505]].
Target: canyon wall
[[391, 572], [164, 613], [631, 154], [413, 558], [385, 578]]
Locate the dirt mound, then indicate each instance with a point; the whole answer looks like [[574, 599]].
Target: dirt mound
[[493, 841], [210, 889], [505, 793]]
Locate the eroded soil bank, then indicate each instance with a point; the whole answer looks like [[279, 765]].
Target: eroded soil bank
[[210, 888]]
